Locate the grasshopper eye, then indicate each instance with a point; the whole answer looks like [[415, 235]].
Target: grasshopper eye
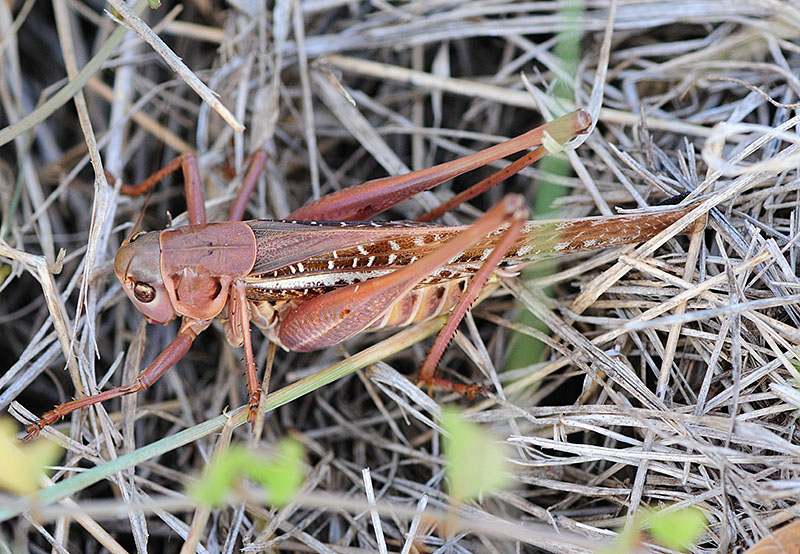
[[144, 293]]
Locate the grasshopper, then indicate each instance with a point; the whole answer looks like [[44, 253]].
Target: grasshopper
[[329, 273]]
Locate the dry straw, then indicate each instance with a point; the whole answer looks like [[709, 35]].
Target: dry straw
[[670, 372]]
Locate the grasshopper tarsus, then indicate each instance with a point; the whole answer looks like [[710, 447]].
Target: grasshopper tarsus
[[470, 390], [254, 400], [33, 430]]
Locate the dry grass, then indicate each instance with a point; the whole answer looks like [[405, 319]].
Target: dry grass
[[670, 376]]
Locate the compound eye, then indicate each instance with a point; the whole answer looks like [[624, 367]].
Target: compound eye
[[136, 235], [144, 293]]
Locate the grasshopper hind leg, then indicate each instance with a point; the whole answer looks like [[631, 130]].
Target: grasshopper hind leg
[[342, 313], [427, 374]]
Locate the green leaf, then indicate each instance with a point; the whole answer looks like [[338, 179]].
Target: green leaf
[[22, 465], [677, 530], [280, 474], [215, 486], [283, 474], [476, 461]]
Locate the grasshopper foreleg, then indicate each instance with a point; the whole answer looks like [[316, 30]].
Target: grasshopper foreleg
[[174, 351], [193, 185]]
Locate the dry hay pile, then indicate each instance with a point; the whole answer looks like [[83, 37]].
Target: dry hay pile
[[662, 383]]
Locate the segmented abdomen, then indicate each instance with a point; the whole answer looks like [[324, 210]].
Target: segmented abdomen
[[378, 249], [424, 302]]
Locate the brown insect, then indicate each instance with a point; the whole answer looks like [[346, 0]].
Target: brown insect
[[329, 273]]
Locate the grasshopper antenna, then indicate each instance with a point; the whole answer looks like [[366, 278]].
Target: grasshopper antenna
[[139, 219]]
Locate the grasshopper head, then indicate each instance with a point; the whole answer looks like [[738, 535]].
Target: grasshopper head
[[138, 267]]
